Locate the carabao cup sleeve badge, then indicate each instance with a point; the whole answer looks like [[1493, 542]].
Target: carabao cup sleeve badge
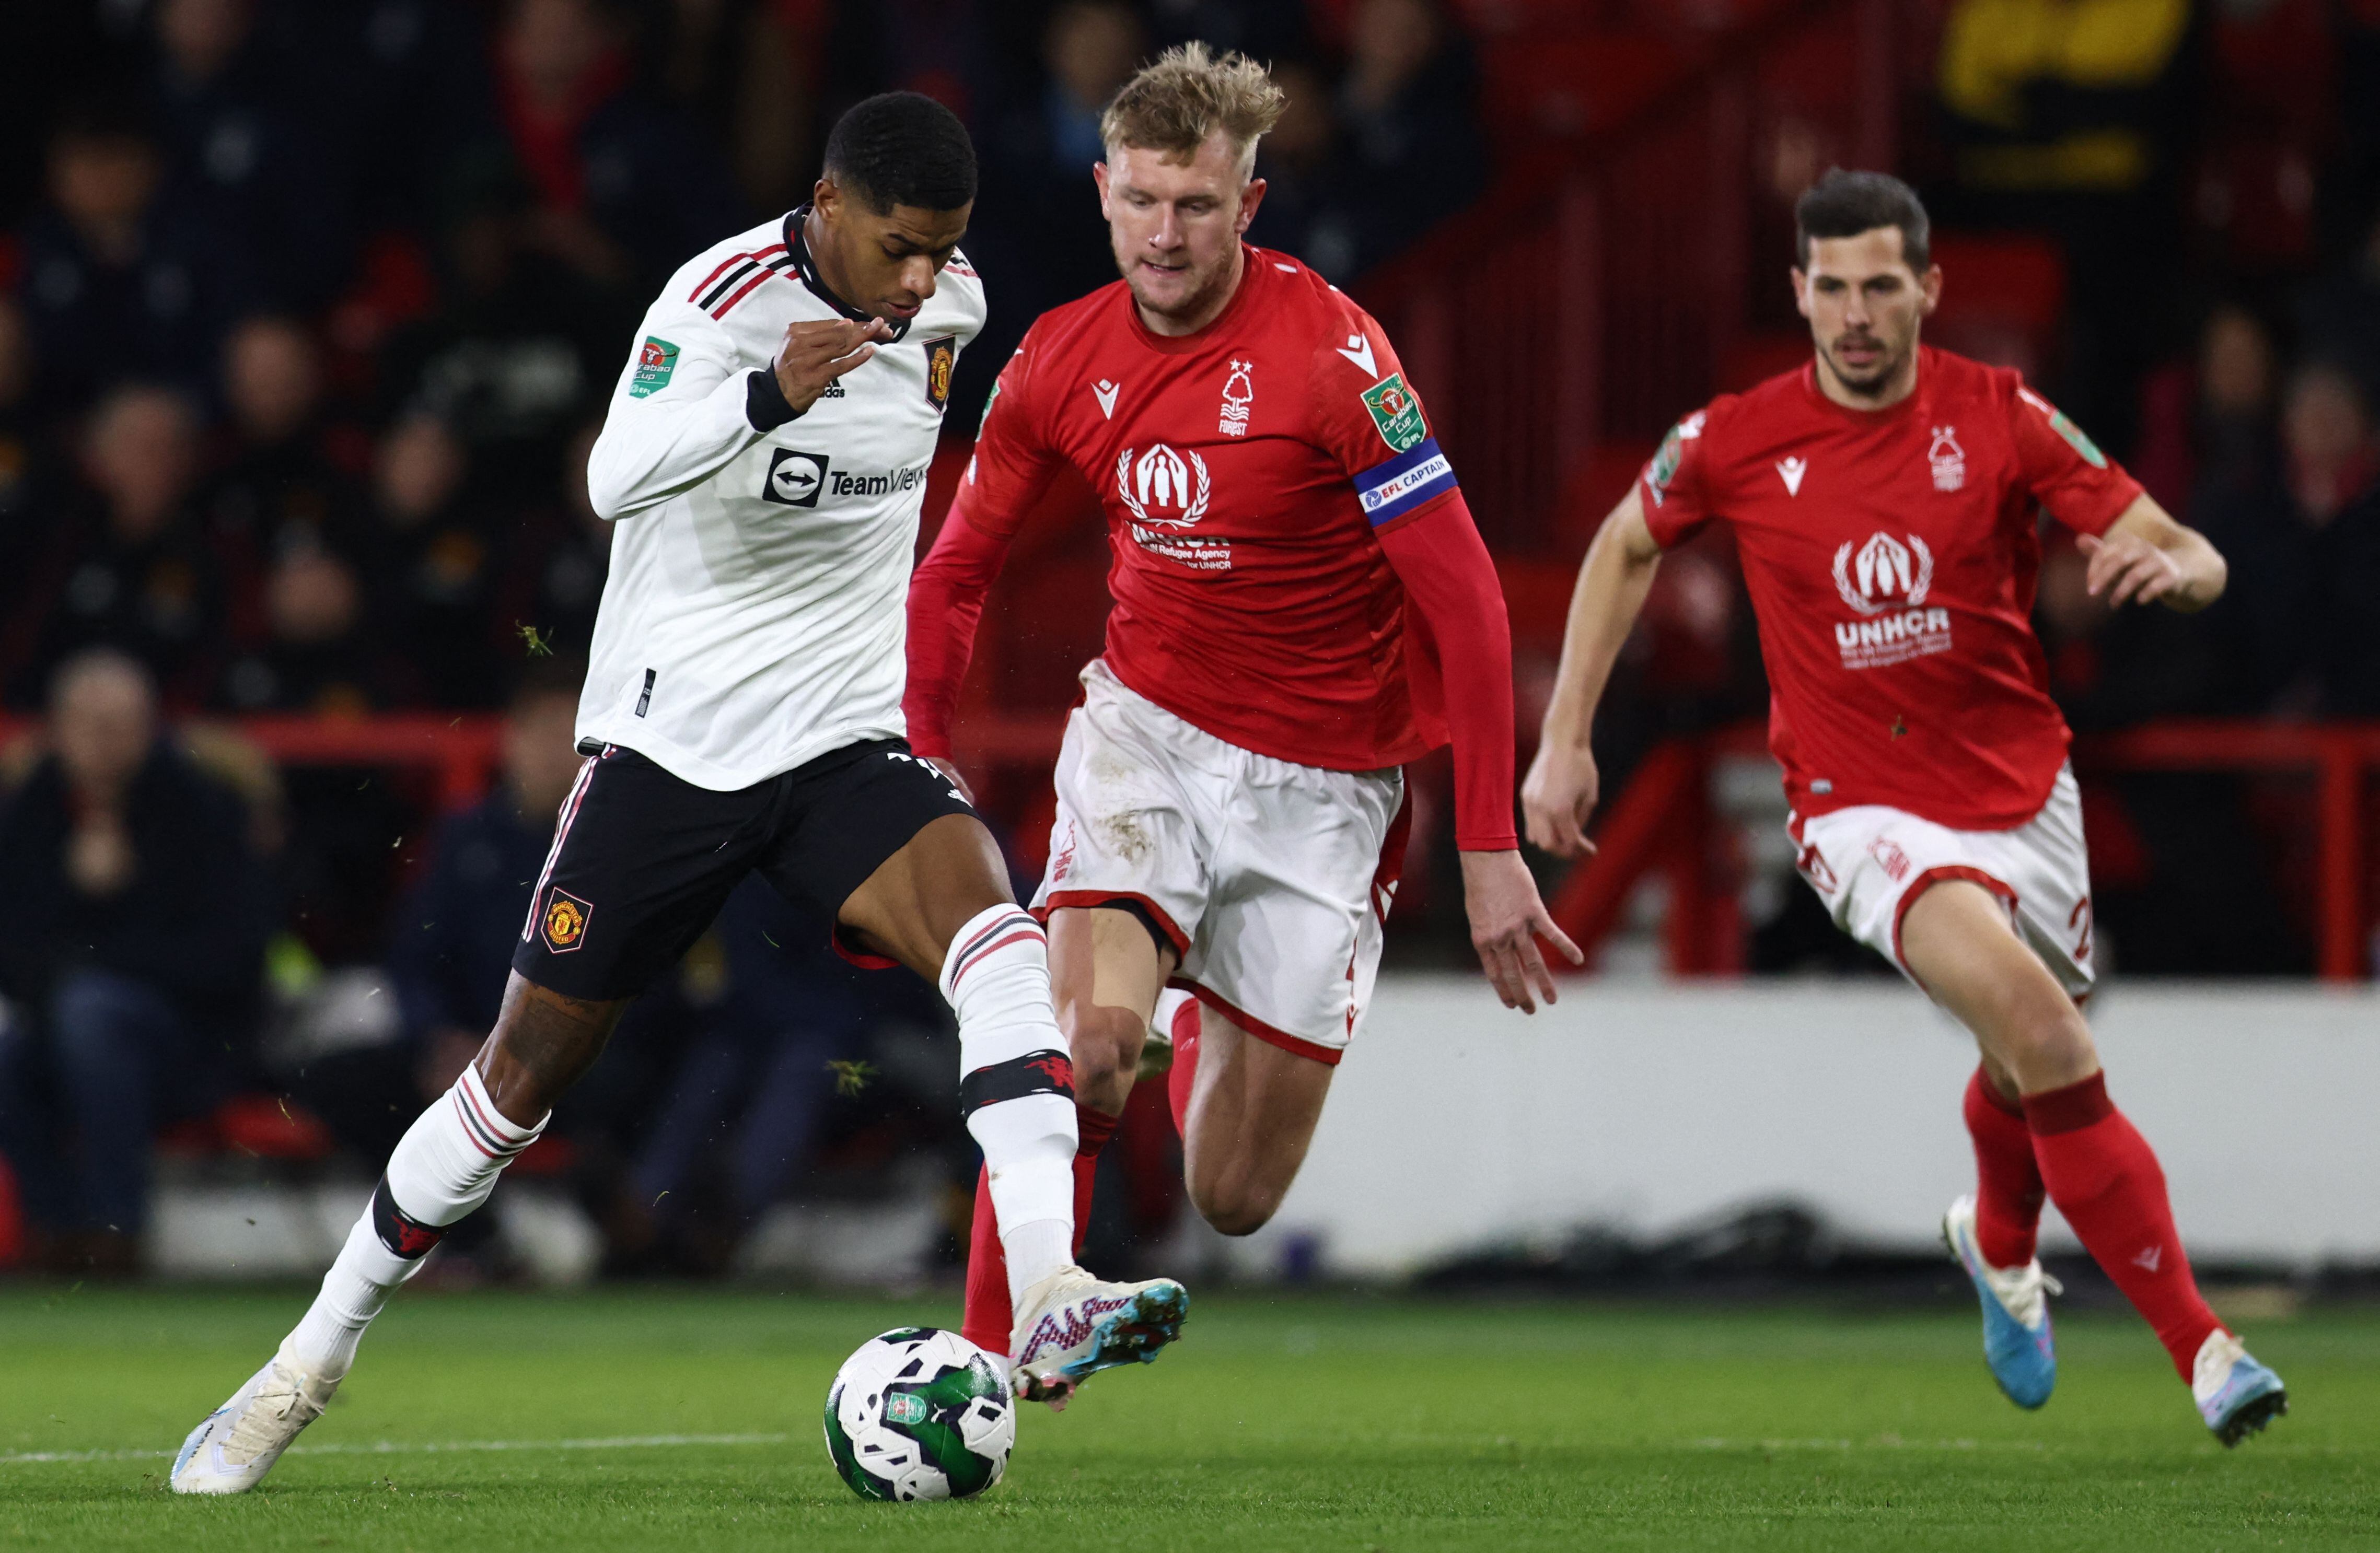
[[1396, 412], [656, 360]]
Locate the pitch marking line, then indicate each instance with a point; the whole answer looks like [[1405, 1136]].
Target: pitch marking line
[[1882, 1442], [428, 1448]]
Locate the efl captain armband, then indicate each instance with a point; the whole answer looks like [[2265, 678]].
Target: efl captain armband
[[1403, 484]]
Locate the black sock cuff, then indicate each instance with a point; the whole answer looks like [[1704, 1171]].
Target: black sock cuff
[[404, 1236]]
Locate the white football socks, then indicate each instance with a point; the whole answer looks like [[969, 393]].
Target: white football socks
[[444, 1167], [1016, 1086]]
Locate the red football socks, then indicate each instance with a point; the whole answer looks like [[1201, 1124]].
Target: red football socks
[[2105, 1179], [1092, 1128], [989, 1320], [1184, 1075], [2008, 1181]]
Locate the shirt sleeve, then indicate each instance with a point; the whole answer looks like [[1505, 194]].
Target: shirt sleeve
[[2079, 486], [1013, 457], [1673, 486], [679, 413], [1367, 418], [1448, 575], [1004, 479]]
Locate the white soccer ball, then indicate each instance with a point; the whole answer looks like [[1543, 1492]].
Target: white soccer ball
[[920, 1414]]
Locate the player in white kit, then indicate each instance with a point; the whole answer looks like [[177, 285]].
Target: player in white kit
[[765, 455]]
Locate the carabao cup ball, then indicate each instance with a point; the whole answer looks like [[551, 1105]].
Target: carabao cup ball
[[920, 1414]]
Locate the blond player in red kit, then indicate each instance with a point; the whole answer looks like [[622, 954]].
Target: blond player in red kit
[[1302, 605], [1882, 499]]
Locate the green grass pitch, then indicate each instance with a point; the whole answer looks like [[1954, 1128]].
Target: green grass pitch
[[1315, 1422]]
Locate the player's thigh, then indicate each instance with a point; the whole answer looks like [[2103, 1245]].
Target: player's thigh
[[1138, 792], [1251, 1119], [1291, 946], [640, 863], [1958, 942], [879, 844], [2048, 865], [1107, 965]]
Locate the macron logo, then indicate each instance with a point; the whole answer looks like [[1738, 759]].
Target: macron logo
[[1793, 469], [1105, 393], [1359, 350], [2148, 1259]]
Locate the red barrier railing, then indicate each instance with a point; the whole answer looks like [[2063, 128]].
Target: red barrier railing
[[1664, 821]]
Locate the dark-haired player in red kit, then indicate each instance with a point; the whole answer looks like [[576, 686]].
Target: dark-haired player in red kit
[[1883, 501], [1294, 576]]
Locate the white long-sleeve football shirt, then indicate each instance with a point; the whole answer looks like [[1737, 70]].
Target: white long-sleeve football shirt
[[753, 619]]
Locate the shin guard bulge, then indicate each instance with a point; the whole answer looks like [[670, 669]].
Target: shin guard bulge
[[1016, 1086], [2106, 1180], [442, 1169], [989, 1316], [2007, 1181]]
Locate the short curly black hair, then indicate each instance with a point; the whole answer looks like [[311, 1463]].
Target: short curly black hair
[[902, 148]]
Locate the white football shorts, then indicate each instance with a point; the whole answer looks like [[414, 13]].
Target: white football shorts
[[1273, 879], [1869, 864]]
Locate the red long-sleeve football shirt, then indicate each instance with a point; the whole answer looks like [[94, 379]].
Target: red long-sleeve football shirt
[[1294, 568]]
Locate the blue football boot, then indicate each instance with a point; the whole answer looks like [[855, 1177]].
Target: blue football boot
[[2017, 1343], [2236, 1395]]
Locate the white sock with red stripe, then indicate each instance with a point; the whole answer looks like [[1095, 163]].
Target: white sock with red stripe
[[1016, 1086], [444, 1167]]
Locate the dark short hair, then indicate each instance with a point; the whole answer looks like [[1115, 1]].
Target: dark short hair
[[1844, 204], [902, 148]]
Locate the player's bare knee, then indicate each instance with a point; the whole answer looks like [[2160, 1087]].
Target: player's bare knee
[[1236, 1207], [1104, 1043]]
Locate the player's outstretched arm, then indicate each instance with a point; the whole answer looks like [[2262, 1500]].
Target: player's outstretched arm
[[1562, 783], [681, 411], [1452, 582], [946, 597], [2146, 557]]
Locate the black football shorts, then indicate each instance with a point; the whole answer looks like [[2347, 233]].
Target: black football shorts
[[642, 860]]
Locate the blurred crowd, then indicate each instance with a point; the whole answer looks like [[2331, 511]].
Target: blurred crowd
[[308, 314], [307, 311]]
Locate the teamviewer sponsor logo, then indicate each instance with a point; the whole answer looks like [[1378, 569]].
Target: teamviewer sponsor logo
[[877, 485], [795, 478]]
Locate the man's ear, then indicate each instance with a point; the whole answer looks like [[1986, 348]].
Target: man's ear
[[1801, 291], [1250, 198], [827, 198], [1929, 288], [1099, 179]]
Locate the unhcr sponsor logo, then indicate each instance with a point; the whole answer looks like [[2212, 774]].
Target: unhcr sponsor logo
[[1893, 638]]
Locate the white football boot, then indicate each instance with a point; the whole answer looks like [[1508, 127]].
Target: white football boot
[[237, 1443], [2236, 1395], [1071, 1326]]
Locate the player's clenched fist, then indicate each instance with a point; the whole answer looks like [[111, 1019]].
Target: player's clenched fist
[[818, 351], [1557, 796]]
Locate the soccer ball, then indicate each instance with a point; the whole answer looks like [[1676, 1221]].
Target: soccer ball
[[920, 1414]]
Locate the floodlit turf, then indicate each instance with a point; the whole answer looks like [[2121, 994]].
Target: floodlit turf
[[1309, 1423]]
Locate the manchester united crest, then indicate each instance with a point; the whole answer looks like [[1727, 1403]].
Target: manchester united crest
[[564, 921], [942, 359]]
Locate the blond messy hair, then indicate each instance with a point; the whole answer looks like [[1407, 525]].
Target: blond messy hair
[[1175, 106]]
